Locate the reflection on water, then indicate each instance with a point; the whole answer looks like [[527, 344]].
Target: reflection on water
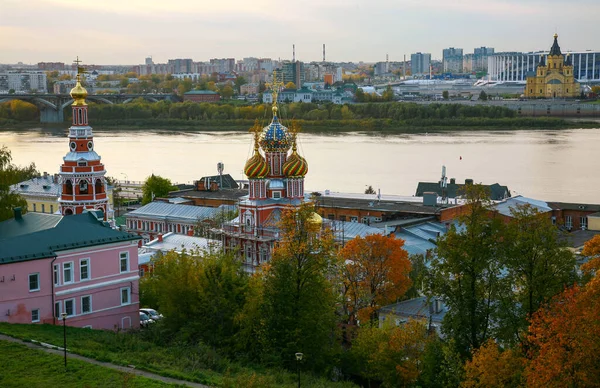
[[551, 165]]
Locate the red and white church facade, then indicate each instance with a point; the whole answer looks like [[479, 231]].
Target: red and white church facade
[[82, 174], [276, 182]]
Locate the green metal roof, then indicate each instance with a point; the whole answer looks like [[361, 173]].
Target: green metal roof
[[43, 237], [200, 92]]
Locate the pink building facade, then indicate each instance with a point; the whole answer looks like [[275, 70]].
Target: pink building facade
[[79, 266]]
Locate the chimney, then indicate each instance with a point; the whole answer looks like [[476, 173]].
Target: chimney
[[214, 186], [468, 181], [160, 238], [17, 212], [452, 181], [45, 175]]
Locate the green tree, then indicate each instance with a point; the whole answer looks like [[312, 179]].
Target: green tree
[[388, 94], [538, 266], [156, 186], [239, 81], [483, 96], [227, 92], [466, 270], [445, 95], [10, 175], [370, 190], [299, 302]]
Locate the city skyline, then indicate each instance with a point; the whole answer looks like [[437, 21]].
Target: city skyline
[[126, 33]]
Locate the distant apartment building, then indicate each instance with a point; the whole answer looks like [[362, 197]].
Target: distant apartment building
[[22, 81], [63, 87], [50, 66], [292, 72], [181, 65], [453, 60], [381, 68], [480, 58], [419, 63], [249, 88], [223, 65]]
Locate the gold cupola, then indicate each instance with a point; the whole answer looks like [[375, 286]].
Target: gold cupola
[[78, 93], [256, 167]]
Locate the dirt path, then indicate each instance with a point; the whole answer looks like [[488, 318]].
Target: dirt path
[[104, 364]]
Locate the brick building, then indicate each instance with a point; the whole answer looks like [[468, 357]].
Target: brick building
[[201, 96]]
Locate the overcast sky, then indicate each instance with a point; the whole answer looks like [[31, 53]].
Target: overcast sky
[[126, 31]]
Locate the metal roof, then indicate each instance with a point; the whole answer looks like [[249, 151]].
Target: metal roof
[[43, 186], [75, 156], [171, 211], [75, 231], [505, 207], [415, 308], [179, 242], [346, 230]]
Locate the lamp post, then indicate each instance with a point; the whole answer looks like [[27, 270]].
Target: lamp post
[[298, 359], [64, 319]]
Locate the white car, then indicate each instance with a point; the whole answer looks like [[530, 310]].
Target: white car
[[152, 314]]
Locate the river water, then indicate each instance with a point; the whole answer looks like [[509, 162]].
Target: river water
[[553, 165]]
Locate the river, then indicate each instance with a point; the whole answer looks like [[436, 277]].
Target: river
[[553, 165]]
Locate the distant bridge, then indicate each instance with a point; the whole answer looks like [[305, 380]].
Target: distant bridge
[[52, 106]]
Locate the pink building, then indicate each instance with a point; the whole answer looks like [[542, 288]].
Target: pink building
[[77, 264]]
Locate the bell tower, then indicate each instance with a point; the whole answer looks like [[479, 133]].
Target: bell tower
[[82, 174]]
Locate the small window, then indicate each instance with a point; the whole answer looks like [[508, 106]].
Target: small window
[[124, 261], [67, 273], [57, 310], [34, 282], [70, 307], [583, 222], [81, 164], [83, 187], [86, 304], [35, 315], [43, 208], [125, 295], [84, 269], [276, 194], [51, 209], [142, 272], [56, 274], [34, 207], [353, 219]]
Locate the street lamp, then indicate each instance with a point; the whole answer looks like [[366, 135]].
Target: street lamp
[[64, 318], [298, 359]]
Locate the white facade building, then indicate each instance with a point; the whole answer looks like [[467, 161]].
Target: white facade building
[[23, 82]]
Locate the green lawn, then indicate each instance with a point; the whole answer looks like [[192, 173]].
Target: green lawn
[[23, 367], [192, 362]]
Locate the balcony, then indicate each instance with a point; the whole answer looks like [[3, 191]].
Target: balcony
[[80, 132]]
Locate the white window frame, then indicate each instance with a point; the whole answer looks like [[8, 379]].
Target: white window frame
[[56, 274], [126, 253], [276, 195], [72, 264], [38, 315], [87, 262], [353, 219], [128, 289], [583, 222], [569, 222], [82, 310], [36, 274], [142, 272], [72, 300]]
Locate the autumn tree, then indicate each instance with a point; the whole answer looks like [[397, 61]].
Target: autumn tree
[[391, 354], [290, 85], [492, 367], [11, 174], [376, 272], [537, 266], [299, 303], [226, 92], [564, 348], [591, 249], [465, 272], [155, 186]]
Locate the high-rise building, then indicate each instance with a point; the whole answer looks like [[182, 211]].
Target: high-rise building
[[480, 58], [82, 174], [293, 72], [452, 59], [23, 81], [181, 65], [419, 63]]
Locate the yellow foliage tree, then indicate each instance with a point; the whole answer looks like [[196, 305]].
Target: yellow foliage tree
[[290, 85], [491, 367], [592, 250]]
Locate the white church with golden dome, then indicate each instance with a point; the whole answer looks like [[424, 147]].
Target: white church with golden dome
[[275, 174]]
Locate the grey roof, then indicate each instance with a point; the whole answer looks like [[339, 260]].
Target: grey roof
[[505, 207], [420, 238], [574, 206], [171, 211], [578, 238], [75, 156], [396, 207], [179, 242], [228, 181], [345, 230], [497, 192], [231, 194], [415, 308], [41, 186], [75, 231]]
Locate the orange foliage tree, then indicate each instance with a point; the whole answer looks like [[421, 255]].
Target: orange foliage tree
[[565, 350], [491, 367], [376, 272], [592, 249]]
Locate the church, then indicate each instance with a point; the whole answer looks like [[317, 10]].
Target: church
[[555, 79]]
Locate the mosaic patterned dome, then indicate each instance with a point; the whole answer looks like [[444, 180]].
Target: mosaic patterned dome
[[275, 137], [295, 166], [256, 166]]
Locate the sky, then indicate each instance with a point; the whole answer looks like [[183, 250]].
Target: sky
[[127, 31]]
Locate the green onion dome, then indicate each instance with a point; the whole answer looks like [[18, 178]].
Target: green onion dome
[[256, 166]]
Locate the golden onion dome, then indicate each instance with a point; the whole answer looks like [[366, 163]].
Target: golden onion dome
[[315, 219], [295, 166], [256, 167], [78, 93]]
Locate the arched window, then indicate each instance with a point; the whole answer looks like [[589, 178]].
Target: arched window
[[69, 187], [68, 212], [83, 186], [99, 186]]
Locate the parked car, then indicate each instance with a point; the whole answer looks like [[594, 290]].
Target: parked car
[[145, 319], [153, 314]]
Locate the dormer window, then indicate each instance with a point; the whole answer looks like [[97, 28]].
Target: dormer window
[[81, 164]]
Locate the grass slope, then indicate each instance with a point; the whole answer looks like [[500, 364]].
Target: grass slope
[[23, 367], [191, 362]]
